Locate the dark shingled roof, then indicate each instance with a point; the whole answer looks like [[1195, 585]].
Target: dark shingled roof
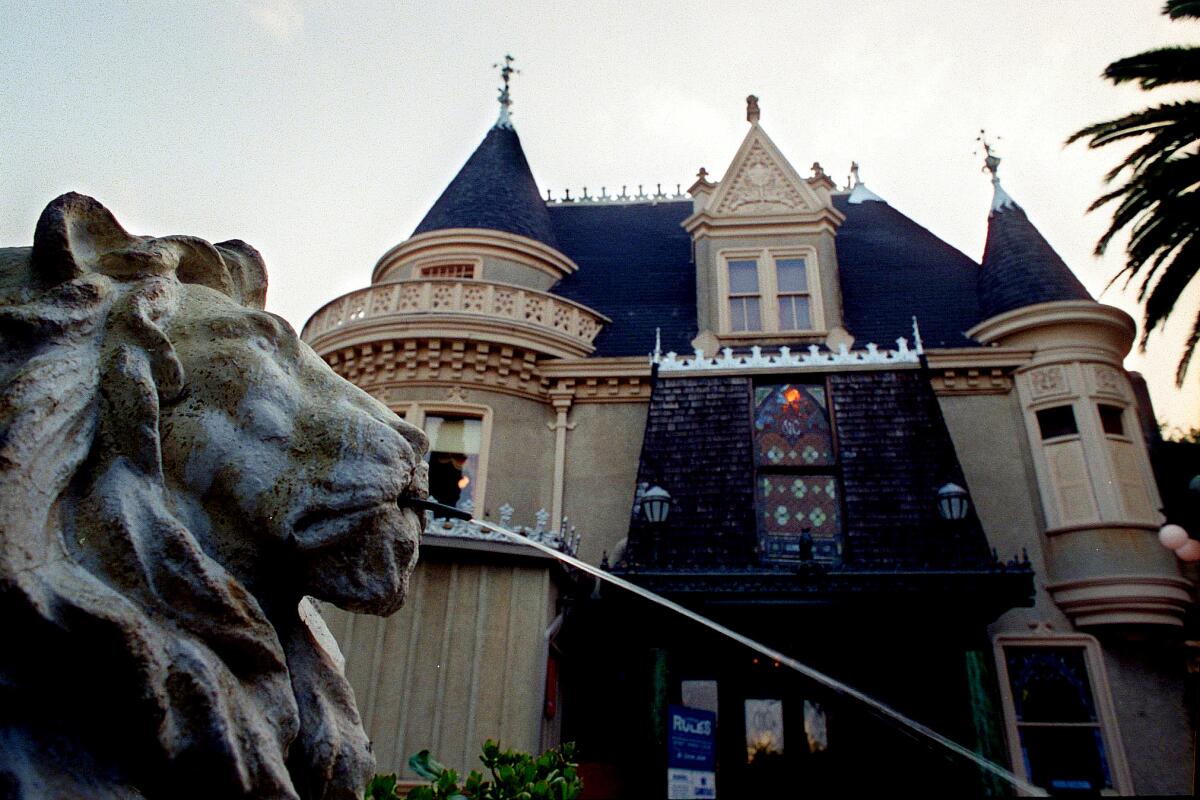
[[892, 269], [494, 190], [894, 451], [1020, 268], [635, 266]]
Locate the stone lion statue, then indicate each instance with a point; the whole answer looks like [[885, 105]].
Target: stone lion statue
[[178, 473]]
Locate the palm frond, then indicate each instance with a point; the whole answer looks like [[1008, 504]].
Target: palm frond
[[1158, 202], [1189, 350], [1148, 120], [1155, 68], [1182, 9]]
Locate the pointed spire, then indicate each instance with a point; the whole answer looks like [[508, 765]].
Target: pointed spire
[[991, 163], [1019, 266], [859, 193], [495, 189], [506, 72]]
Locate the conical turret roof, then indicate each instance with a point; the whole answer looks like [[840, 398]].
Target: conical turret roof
[[1020, 268], [494, 190]]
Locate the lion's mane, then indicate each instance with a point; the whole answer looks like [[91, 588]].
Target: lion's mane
[[136, 665]]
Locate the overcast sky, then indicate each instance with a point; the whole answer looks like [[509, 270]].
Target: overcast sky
[[321, 132]]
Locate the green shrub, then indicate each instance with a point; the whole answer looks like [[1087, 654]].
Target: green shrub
[[514, 776]]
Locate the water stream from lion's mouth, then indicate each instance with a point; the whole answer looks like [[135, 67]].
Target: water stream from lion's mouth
[[880, 709]]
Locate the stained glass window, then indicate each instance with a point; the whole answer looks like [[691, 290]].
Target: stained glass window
[[798, 496], [1057, 721], [791, 426], [792, 505]]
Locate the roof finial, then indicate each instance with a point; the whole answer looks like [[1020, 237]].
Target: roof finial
[[506, 72], [991, 163], [752, 110], [854, 180]]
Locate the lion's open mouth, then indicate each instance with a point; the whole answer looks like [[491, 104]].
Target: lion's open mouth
[[315, 517]]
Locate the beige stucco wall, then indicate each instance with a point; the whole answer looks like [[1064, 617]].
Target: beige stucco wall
[[462, 662], [1147, 679], [601, 472]]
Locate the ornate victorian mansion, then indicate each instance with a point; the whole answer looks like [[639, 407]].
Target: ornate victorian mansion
[[789, 407]]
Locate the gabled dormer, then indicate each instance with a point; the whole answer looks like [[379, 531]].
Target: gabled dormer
[[766, 264]]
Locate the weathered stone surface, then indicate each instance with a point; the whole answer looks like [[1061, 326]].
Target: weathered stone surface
[[177, 472]]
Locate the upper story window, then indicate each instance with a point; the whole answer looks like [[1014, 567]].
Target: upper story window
[[458, 450], [770, 291], [454, 449], [463, 271], [1057, 421], [798, 488], [1123, 455]]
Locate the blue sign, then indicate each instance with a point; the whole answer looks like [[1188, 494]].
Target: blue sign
[[691, 738]]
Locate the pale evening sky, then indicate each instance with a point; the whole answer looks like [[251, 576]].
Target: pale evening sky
[[321, 132]]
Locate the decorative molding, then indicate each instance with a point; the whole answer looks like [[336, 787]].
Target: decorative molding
[[813, 359], [762, 193], [1124, 599], [478, 242], [386, 368], [1106, 380], [1078, 325], [993, 380], [760, 186], [1049, 381], [537, 320], [563, 538]]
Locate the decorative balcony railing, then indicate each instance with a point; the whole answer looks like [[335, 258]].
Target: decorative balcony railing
[[564, 540], [553, 317]]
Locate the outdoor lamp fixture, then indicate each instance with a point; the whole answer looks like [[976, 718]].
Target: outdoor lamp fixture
[[953, 502], [656, 505]]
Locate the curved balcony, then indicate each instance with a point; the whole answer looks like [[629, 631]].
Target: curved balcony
[[494, 312]]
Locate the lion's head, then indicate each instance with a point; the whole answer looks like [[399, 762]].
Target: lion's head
[[177, 471]]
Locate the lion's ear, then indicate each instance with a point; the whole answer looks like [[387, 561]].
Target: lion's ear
[[248, 271], [233, 268], [72, 234]]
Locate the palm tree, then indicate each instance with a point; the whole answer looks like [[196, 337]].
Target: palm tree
[[1158, 200]]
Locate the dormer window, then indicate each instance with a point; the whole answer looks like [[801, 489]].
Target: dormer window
[[770, 291]]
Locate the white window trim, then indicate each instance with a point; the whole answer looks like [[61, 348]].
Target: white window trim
[[1114, 748], [415, 413], [768, 290]]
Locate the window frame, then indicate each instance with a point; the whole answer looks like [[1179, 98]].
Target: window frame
[[416, 412], [769, 293], [1106, 713], [834, 470], [419, 267]]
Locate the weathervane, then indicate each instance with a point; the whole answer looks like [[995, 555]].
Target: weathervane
[[991, 161], [506, 73]]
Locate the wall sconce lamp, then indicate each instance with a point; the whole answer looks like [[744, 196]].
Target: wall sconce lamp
[[656, 505], [953, 502]]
